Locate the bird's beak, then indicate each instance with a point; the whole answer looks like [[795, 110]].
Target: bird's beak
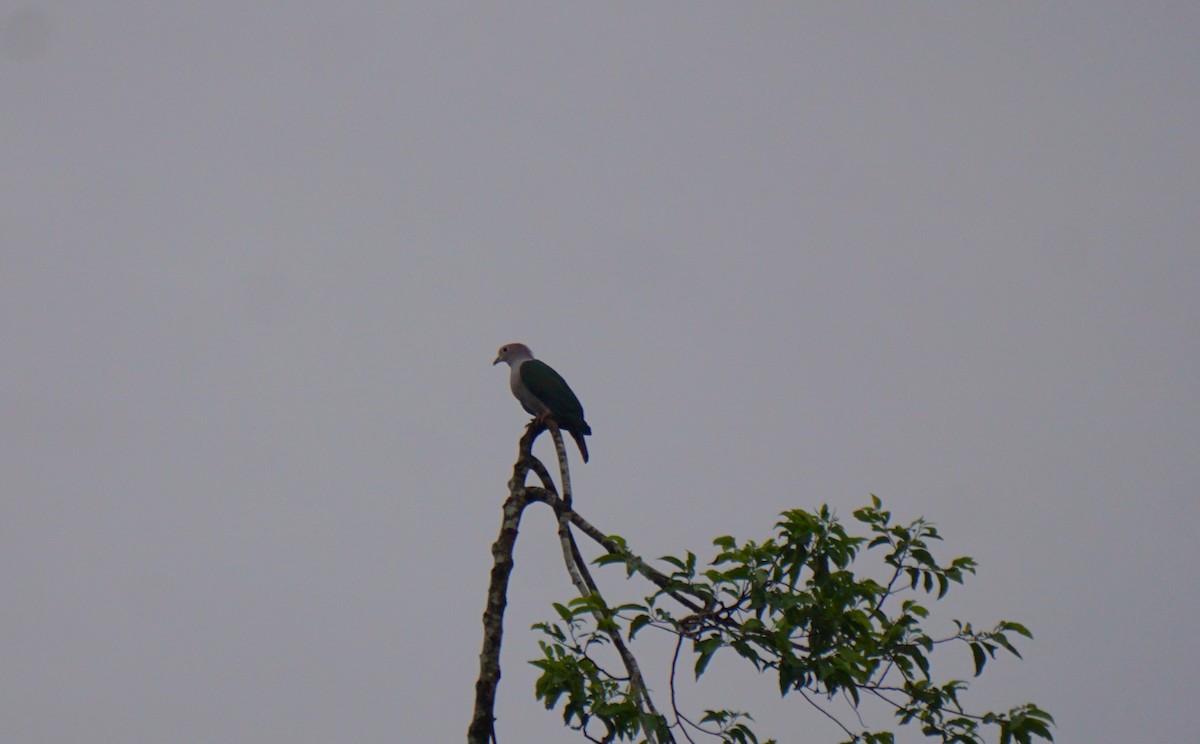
[[498, 360]]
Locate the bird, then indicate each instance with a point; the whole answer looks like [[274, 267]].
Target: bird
[[543, 392]]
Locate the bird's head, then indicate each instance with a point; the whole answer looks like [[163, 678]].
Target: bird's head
[[512, 353]]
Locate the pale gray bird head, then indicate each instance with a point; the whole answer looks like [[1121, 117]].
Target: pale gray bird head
[[512, 354]]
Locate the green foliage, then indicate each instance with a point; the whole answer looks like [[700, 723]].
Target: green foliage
[[592, 693], [792, 607]]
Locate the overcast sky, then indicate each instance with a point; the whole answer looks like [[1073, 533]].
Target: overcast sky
[[256, 260]]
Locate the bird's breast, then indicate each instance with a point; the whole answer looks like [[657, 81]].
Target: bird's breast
[[531, 403]]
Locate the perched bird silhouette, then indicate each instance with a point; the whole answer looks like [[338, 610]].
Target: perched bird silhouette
[[543, 392]]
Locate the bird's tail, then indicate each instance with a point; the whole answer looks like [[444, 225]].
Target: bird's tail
[[582, 444]]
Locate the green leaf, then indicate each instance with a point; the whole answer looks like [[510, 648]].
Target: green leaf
[[1016, 628], [563, 611], [677, 563], [638, 622], [706, 648], [999, 638], [923, 557], [631, 606], [980, 658]]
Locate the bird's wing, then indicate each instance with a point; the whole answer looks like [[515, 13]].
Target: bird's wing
[[549, 387]]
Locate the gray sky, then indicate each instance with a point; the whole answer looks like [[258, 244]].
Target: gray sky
[[255, 263]]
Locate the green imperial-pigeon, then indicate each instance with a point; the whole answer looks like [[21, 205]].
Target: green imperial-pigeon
[[543, 392]]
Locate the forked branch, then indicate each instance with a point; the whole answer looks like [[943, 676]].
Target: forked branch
[[482, 728]]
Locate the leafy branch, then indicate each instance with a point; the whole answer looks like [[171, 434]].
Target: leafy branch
[[790, 606]]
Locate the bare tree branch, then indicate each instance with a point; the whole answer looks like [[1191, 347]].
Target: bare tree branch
[[482, 729], [563, 469], [585, 585]]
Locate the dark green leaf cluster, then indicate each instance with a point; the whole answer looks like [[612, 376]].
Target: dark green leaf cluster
[[793, 607], [593, 694]]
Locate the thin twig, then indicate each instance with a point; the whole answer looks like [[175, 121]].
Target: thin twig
[[586, 585], [569, 558], [826, 713], [563, 469], [671, 682], [659, 579]]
